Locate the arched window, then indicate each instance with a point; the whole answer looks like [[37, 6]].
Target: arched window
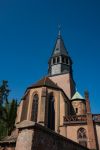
[[51, 111], [54, 60], [58, 59], [63, 60], [81, 136], [66, 60], [35, 107]]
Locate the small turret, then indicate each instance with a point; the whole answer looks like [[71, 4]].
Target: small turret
[[79, 104]]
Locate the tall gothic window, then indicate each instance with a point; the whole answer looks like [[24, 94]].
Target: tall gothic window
[[35, 107], [51, 112], [81, 136]]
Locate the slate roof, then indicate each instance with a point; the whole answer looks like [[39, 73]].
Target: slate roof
[[44, 82], [77, 95], [59, 48]]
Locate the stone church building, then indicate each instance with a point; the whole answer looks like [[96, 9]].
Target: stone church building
[[54, 112]]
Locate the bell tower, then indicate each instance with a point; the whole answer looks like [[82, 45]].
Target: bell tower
[[60, 62], [60, 67]]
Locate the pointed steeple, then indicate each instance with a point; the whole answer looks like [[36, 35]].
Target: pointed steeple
[[59, 48], [60, 62]]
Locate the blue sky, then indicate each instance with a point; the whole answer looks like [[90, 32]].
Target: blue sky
[[28, 30]]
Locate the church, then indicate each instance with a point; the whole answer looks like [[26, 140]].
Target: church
[[54, 106]]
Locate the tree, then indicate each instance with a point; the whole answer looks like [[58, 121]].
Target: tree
[[4, 92], [9, 115], [8, 111]]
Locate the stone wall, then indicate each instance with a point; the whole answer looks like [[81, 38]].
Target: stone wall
[[60, 80], [98, 135], [44, 140], [24, 140], [41, 138]]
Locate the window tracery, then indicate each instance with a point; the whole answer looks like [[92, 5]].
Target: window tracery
[[81, 136], [35, 107]]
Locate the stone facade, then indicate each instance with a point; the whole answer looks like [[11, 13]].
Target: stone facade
[[24, 140], [97, 127], [59, 106], [69, 87]]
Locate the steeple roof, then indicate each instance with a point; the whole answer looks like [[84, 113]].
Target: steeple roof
[[77, 95], [59, 48]]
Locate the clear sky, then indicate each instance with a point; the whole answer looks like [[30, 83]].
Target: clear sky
[[28, 30]]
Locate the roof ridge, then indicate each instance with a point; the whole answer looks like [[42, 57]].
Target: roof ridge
[[45, 81]]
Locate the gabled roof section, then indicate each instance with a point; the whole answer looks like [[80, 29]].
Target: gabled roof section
[[59, 48], [45, 82], [77, 95]]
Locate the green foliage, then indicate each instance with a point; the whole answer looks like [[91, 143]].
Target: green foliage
[[8, 110], [4, 92], [9, 115], [3, 129]]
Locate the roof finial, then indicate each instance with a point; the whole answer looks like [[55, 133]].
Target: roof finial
[[59, 30], [76, 89]]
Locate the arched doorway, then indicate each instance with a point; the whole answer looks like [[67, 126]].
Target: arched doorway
[[51, 112]]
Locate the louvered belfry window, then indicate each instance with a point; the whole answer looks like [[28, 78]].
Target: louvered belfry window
[[35, 108], [81, 136]]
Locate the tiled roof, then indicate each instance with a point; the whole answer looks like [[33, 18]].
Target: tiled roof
[[45, 82]]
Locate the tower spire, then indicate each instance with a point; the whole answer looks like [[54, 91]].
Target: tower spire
[[60, 61], [59, 30]]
